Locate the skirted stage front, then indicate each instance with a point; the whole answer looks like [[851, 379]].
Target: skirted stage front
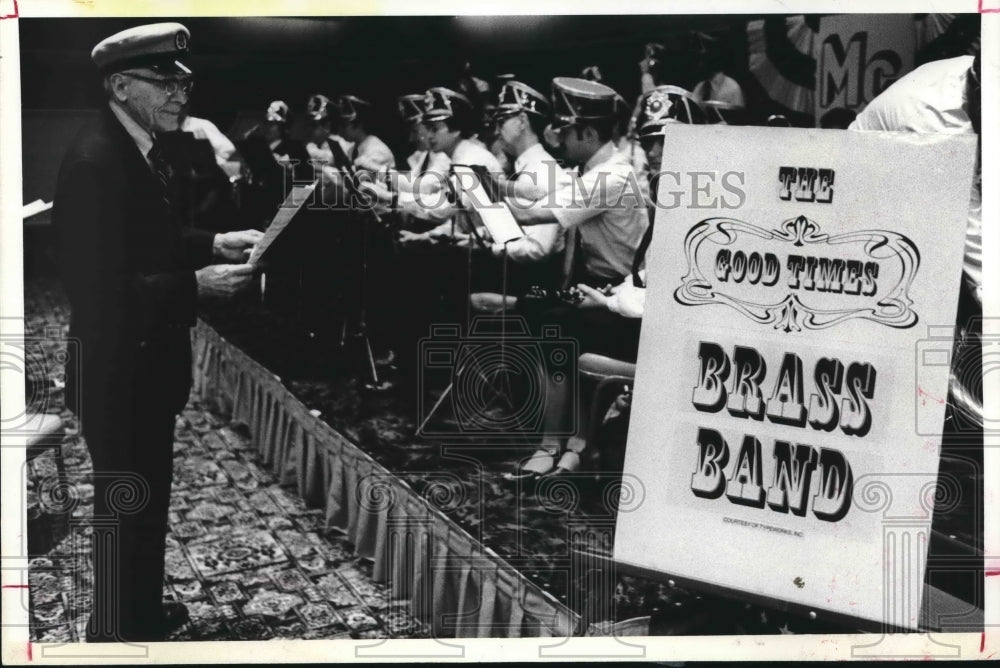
[[453, 583]]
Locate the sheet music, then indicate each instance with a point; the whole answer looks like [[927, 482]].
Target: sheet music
[[298, 196], [35, 208], [496, 216]]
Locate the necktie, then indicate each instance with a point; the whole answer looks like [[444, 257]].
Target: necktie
[[162, 171], [340, 158], [572, 258], [425, 164], [647, 236]]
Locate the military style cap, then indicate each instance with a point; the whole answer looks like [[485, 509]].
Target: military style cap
[[516, 97], [441, 103], [411, 107], [318, 107], [350, 107], [575, 100], [158, 46], [665, 105], [277, 112]]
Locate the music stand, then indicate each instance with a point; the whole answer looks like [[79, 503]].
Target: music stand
[[360, 332], [503, 393]]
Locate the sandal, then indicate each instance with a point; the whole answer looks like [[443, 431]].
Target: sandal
[[568, 463], [537, 465]]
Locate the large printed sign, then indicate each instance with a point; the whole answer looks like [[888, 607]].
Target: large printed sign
[[858, 57], [779, 387]]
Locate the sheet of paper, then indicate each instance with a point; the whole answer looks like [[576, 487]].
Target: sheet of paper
[[496, 216], [35, 208], [298, 196], [498, 219]]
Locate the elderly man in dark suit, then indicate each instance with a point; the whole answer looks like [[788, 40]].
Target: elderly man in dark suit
[[133, 273]]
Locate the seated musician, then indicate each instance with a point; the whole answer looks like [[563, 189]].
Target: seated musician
[[422, 159], [423, 163], [319, 145], [603, 207], [608, 321], [286, 150], [369, 153], [450, 122], [519, 120], [289, 153]]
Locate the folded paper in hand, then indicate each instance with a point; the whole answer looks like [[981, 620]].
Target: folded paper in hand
[[298, 196]]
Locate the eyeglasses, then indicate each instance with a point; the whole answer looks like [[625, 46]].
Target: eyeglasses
[[500, 119], [168, 86]]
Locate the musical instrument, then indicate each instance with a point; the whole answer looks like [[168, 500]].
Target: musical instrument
[[572, 295]]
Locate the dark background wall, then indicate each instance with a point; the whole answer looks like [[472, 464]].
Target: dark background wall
[[244, 63]]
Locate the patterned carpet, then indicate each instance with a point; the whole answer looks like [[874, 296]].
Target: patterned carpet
[[245, 556]]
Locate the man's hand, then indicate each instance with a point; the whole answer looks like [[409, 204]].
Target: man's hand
[[408, 237], [438, 234], [235, 245], [591, 298], [223, 280], [376, 189]]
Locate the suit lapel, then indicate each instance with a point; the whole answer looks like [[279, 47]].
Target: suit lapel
[[137, 171]]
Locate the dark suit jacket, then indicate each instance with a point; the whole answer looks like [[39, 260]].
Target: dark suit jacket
[[128, 268]]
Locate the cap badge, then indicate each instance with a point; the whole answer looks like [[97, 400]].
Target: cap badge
[[659, 106], [181, 41]]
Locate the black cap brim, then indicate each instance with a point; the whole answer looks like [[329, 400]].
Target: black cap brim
[[166, 65]]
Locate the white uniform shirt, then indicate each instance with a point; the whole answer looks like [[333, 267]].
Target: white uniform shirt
[[202, 128], [721, 88], [929, 100], [323, 153], [373, 154], [435, 206], [538, 168], [427, 180], [439, 162], [606, 206]]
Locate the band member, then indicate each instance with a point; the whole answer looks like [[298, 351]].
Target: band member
[[423, 160], [608, 321], [369, 152], [321, 134], [520, 119], [604, 205], [426, 167], [286, 151], [450, 122], [133, 274]]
